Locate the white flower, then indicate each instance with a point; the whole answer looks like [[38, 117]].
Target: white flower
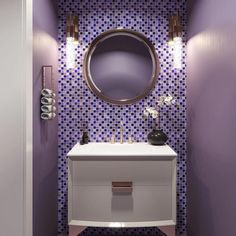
[[145, 113], [151, 111], [154, 115], [166, 100]]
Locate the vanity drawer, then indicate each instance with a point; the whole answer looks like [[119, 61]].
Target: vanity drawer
[[141, 173], [98, 203]]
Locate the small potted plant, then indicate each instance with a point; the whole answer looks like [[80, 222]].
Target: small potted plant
[[157, 136]]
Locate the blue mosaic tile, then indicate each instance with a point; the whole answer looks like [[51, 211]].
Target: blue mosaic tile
[[79, 109]]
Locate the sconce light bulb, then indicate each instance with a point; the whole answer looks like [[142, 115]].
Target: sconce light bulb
[[76, 42], [170, 43], [177, 52]]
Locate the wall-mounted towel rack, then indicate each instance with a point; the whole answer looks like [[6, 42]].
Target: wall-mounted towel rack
[[48, 95]]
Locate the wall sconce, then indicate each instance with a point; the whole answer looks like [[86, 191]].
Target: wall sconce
[[72, 40], [175, 40]]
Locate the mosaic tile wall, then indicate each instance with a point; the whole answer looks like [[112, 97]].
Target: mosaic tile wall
[[80, 110]]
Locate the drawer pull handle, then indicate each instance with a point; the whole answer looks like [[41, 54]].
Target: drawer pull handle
[[122, 187]]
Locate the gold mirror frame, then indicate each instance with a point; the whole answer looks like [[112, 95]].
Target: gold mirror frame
[[92, 47]]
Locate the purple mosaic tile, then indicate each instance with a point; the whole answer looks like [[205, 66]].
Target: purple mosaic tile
[[79, 109], [151, 231]]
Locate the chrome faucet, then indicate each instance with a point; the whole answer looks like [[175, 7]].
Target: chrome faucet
[[121, 133]]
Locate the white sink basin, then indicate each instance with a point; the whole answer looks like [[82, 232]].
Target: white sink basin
[[117, 149]]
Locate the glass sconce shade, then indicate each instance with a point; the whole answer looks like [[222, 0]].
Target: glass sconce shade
[[72, 40], [175, 40], [177, 52]]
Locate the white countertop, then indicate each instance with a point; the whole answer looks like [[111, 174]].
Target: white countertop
[[120, 150]]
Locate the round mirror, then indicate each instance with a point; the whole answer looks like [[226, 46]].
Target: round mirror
[[121, 66]]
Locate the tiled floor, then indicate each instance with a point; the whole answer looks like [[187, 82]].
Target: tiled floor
[[152, 231]]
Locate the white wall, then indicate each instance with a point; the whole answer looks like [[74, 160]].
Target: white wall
[[15, 118]]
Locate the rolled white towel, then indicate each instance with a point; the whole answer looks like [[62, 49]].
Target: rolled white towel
[[48, 116], [48, 93], [47, 101], [48, 108]]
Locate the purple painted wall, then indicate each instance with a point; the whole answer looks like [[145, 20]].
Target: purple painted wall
[[45, 141], [211, 96]]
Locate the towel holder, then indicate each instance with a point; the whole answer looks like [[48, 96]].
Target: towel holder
[[47, 95]]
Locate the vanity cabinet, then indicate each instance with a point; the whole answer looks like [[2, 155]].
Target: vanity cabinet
[[121, 185]]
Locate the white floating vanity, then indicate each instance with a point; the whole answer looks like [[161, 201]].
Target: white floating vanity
[[121, 185]]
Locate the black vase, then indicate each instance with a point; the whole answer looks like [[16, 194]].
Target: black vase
[[157, 137], [85, 138]]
